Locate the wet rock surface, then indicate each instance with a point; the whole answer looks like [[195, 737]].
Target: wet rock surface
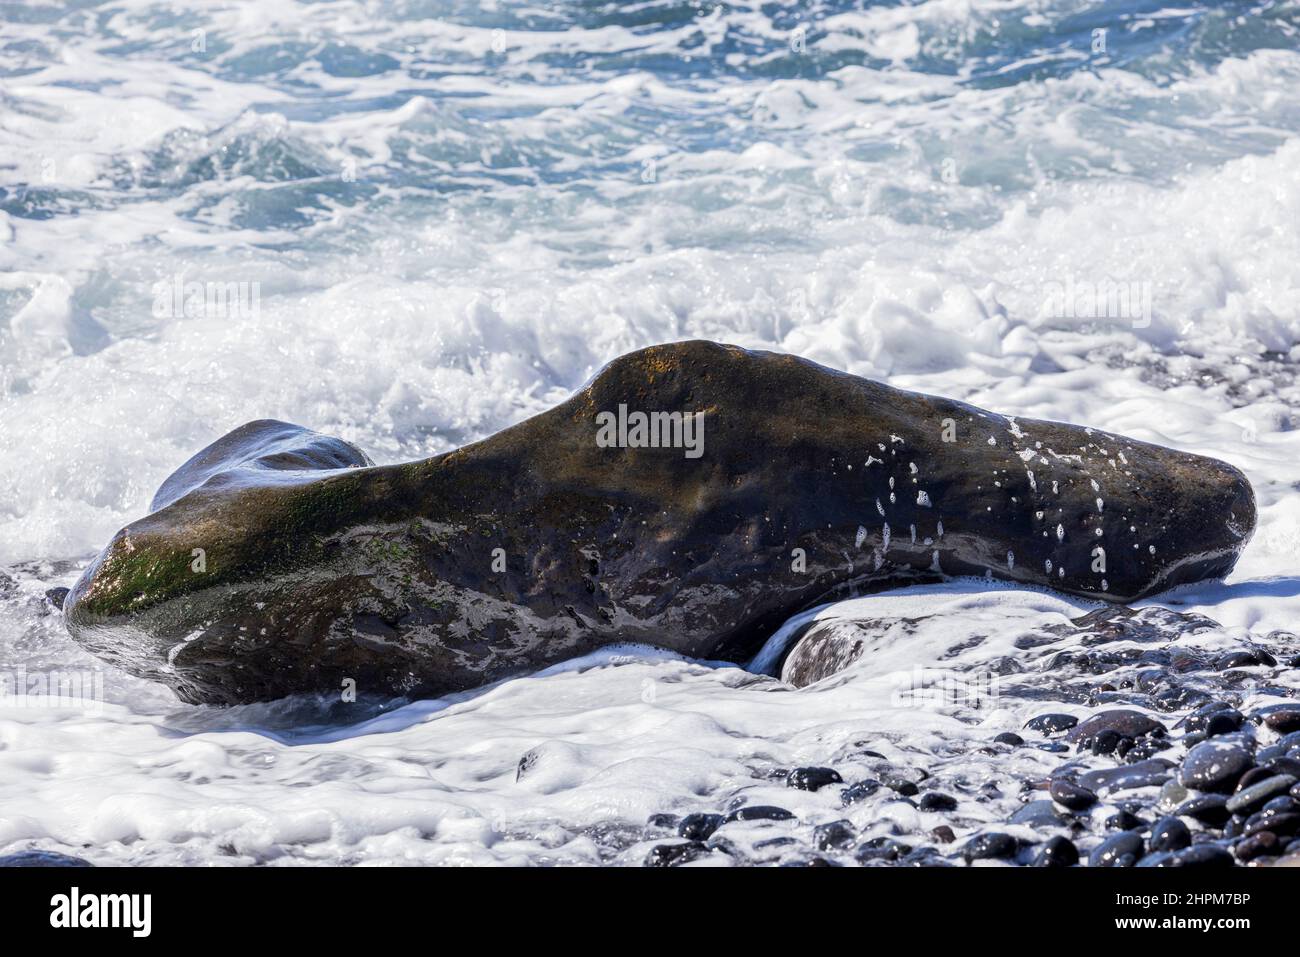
[[279, 561]]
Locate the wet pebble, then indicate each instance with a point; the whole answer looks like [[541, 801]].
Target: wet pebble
[[759, 812], [813, 779], [1253, 797], [1170, 834], [1057, 852], [881, 849], [1038, 814], [943, 834], [1208, 809], [1009, 737], [835, 836], [1283, 718], [1119, 850], [1214, 766], [1152, 772], [1258, 845], [1070, 795], [990, 846], [858, 792], [937, 801], [1125, 821], [671, 855], [699, 827], [1051, 723]]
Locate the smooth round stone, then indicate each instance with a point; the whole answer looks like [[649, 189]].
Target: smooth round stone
[[1038, 814], [1121, 721], [901, 785], [1250, 798], [992, 845], [38, 858], [1125, 821], [1009, 737], [671, 855], [1119, 850], [1172, 794], [1049, 724], [1283, 825], [1214, 766], [859, 791], [1202, 855], [1057, 852], [700, 826], [835, 836], [943, 834], [1153, 772], [759, 812], [1170, 834], [1284, 719], [881, 849], [937, 801], [813, 779], [1284, 765], [1265, 843], [1070, 795], [1254, 776], [1209, 809]]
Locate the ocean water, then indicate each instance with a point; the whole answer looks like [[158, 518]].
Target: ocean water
[[411, 224]]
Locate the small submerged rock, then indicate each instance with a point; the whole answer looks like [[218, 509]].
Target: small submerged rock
[[813, 779]]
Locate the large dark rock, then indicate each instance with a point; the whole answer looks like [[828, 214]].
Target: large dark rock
[[279, 561]]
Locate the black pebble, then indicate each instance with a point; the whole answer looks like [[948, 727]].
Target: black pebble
[[760, 812], [902, 786], [991, 845], [813, 779], [1119, 850], [834, 836], [1070, 795], [1214, 766], [55, 597], [881, 849], [858, 792], [1009, 737], [1124, 821], [699, 827], [937, 801], [670, 855], [1258, 845], [1057, 852], [1208, 809], [1170, 834], [1047, 724]]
